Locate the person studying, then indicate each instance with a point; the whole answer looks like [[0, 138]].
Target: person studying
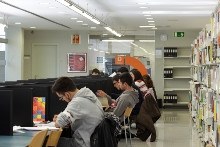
[[83, 112]]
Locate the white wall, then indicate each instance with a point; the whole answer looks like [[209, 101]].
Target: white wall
[[61, 38], [14, 54]]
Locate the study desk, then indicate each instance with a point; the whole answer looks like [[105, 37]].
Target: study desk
[[17, 140]]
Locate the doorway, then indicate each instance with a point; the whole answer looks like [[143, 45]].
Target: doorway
[[44, 61]]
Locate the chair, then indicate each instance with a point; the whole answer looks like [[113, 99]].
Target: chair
[[38, 139], [127, 114], [53, 138]]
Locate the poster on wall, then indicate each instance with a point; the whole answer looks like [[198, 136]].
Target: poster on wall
[[39, 109], [75, 39], [77, 62]]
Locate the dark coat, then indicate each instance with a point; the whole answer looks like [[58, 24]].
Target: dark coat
[[105, 134], [148, 115]]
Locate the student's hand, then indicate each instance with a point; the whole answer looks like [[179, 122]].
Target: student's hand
[[55, 118], [101, 93]]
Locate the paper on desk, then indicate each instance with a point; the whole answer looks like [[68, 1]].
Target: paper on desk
[[39, 128], [50, 124]]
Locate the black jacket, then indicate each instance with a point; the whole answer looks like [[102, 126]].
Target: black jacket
[[105, 134]]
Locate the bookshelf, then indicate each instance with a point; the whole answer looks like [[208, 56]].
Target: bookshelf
[[176, 76], [205, 83]]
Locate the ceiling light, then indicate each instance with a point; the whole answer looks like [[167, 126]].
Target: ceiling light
[[151, 21], [134, 44], [17, 23], [95, 49], [151, 24], [78, 9], [92, 27], [146, 26], [74, 18], [79, 21], [44, 3], [33, 27], [149, 18], [142, 3], [143, 7], [107, 52], [104, 34], [101, 51], [177, 12], [85, 24], [154, 28], [52, 7], [147, 15], [147, 40], [112, 40], [113, 31]]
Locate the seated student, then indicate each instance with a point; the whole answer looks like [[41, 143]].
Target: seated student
[[83, 112], [128, 98], [95, 71], [148, 115], [136, 109]]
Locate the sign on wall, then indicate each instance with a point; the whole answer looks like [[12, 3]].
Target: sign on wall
[[75, 39], [179, 34]]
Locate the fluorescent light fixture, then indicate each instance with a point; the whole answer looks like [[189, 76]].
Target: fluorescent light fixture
[[113, 31], [79, 10], [107, 52], [112, 40], [142, 3], [151, 21], [17, 23], [52, 7], [85, 24], [143, 7], [146, 26], [134, 44], [104, 34], [154, 28], [151, 24], [149, 18], [95, 50], [101, 51], [33, 27], [188, 3], [147, 40], [79, 21], [74, 18], [147, 15], [177, 12], [92, 27]]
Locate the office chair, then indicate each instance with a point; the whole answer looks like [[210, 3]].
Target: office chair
[[127, 114]]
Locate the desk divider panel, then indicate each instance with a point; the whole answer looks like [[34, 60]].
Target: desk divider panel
[[22, 105], [6, 127]]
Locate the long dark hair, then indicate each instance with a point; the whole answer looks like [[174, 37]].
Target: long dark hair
[[149, 83], [137, 75]]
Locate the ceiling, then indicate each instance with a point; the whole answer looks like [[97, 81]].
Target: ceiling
[[124, 16]]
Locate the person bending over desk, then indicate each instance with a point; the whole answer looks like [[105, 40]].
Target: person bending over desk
[[128, 98], [83, 112]]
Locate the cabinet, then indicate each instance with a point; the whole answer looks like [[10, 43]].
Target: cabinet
[[176, 76]]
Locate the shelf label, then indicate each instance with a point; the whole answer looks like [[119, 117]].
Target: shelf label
[[178, 34]]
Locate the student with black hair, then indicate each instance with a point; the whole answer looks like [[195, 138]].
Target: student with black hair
[[83, 112]]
